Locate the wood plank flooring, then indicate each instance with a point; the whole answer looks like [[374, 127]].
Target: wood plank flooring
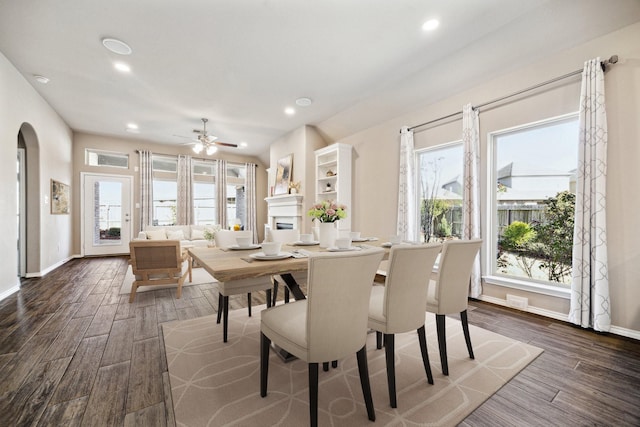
[[73, 352]]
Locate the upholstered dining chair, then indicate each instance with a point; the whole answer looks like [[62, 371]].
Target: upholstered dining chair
[[449, 293], [158, 262], [224, 239], [330, 324], [398, 306], [284, 236]]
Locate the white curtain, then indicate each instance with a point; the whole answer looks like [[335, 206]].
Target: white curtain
[[251, 200], [146, 188], [590, 304], [407, 209], [184, 214], [221, 193], [471, 192]]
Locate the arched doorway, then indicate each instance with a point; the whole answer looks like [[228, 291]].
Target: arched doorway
[[29, 201]]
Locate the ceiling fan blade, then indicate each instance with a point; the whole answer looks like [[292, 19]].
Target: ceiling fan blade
[[226, 144], [182, 136]]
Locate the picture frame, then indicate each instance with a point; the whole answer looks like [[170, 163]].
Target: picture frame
[[283, 175], [60, 198]]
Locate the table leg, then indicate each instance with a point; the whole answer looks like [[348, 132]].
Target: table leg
[[293, 286]]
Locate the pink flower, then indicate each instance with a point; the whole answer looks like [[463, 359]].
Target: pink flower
[[331, 212]]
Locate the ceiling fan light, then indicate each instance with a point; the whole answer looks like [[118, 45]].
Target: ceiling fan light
[[211, 150], [198, 147]]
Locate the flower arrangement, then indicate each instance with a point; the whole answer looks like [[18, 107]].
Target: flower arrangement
[[210, 232], [294, 187], [327, 211]]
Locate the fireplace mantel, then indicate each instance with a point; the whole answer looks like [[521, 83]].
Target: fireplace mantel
[[285, 208]]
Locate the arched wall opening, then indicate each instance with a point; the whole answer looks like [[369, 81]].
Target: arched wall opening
[[28, 139]]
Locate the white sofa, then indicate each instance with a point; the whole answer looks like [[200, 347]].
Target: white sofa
[[187, 234]]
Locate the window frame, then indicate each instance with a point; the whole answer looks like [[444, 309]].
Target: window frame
[[491, 226], [89, 151]]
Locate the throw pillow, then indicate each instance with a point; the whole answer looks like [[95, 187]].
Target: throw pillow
[[156, 234], [197, 234], [175, 235]]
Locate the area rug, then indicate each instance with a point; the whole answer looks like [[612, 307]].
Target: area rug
[[200, 276], [217, 384]]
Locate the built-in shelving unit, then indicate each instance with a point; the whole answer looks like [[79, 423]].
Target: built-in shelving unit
[[333, 178]]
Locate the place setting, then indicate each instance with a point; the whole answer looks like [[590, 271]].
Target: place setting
[[343, 244], [306, 240], [270, 252], [244, 244]]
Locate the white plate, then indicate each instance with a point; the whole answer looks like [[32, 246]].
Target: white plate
[[262, 256], [336, 249], [243, 248], [299, 243], [387, 245], [361, 239]]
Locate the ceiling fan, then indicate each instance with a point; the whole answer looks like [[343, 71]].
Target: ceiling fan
[[208, 142]]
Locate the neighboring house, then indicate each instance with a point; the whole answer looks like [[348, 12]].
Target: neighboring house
[[526, 184]]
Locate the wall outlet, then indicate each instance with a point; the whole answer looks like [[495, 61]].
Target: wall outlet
[[521, 303]]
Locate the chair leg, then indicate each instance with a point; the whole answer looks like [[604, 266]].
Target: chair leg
[[325, 366], [265, 344], [442, 342], [249, 303], [334, 364], [286, 295], [220, 305], [363, 370], [275, 291], [313, 394], [268, 291], [378, 340], [465, 329], [422, 337], [389, 346], [132, 295], [225, 318]]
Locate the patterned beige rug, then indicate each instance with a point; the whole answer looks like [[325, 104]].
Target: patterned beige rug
[[217, 384]]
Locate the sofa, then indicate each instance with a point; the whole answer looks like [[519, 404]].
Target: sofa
[[187, 234]]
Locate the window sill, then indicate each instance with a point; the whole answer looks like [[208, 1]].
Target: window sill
[[524, 285]]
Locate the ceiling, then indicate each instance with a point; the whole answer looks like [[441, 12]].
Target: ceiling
[[240, 63]]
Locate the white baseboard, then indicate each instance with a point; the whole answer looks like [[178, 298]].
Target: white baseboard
[[629, 333], [51, 268], [10, 291]]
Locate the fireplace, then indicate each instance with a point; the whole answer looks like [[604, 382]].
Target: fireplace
[[284, 212]]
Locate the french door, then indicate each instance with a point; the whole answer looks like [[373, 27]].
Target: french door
[[106, 214]]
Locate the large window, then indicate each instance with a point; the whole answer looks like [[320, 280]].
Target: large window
[[204, 192], [440, 192], [532, 201], [165, 190], [236, 194]]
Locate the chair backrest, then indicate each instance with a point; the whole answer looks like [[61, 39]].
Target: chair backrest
[[339, 288], [454, 273], [283, 236], [405, 294], [226, 238], [152, 255]]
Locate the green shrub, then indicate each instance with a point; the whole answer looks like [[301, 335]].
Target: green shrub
[[517, 235]]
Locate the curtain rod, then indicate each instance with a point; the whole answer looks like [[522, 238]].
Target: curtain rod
[[612, 60], [199, 158]]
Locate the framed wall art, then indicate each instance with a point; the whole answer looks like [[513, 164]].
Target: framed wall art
[[283, 175], [60, 203]]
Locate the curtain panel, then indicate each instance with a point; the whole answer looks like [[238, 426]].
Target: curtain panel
[[184, 214], [407, 197], [251, 200], [146, 188], [221, 193], [590, 304], [471, 192]]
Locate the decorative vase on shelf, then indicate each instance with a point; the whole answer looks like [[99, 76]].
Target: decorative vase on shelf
[[327, 234]]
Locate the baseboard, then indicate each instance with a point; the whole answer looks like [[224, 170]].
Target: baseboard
[[51, 268], [10, 291], [617, 330]]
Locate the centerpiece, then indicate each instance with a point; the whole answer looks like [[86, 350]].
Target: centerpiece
[[327, 212]]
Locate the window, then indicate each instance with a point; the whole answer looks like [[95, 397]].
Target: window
[[440, 192], [204, 192], [236, 194], [532, 201], [165, 190], [105, 158]]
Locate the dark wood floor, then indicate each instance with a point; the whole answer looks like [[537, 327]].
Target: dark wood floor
[[75, 352]]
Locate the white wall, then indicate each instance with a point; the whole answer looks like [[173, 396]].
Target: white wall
[[19, 104], [377, 149]]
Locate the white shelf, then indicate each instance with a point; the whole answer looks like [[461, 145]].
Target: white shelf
[[336, 158]]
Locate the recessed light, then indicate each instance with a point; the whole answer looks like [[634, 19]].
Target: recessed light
[[243, 145], [116, 46], [304, 102], [289, 111], [132, 126], [430, 25], [41, 79], [122, 67]]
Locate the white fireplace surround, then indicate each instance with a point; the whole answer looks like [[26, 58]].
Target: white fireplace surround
[[285, 208]]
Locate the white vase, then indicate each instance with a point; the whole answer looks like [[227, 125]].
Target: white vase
[[327, 234]]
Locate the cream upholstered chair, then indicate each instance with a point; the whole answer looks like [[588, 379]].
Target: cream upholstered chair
[[158, 262], [284, 236], [330, 324], [449, 294], [224, 239], [399, 305]]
